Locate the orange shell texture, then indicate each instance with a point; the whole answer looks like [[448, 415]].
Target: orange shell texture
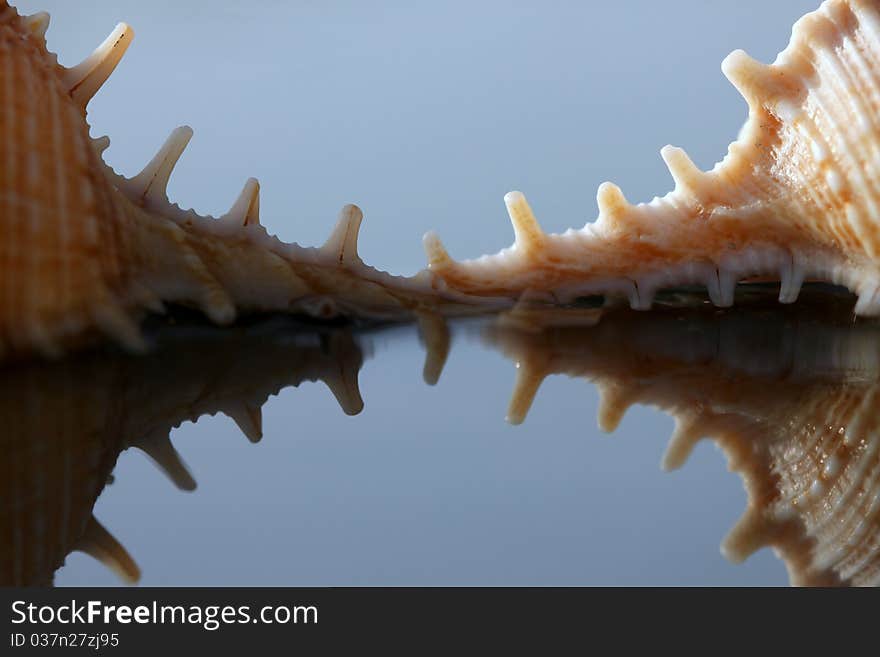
[[66, 252], [796, 197], [88, 252]]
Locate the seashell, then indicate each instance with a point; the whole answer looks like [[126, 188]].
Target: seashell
[[87, 251], [790, 397], [796, 197], [61, 439]]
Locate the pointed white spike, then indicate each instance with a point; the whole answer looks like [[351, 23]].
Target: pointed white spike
[[756, 82], [246, 210], [613, 404], [528, 379], [684, 438], [249, 418], [342, 243], [868, 302], [438, 257], [38, 23], [102, 546], [721, 287], [529, 236], [612, 203], [791, 278], [151, 183], [84, 79], [687, 175], [158, 447]]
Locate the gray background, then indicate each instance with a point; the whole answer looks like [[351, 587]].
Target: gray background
[[425, 114]]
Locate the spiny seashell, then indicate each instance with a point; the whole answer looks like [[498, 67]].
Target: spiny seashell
[[61, 439], [796, 198], [790, 396], [86, 250]]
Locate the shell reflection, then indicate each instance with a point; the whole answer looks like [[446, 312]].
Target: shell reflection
[[62, 438], [789, 396]]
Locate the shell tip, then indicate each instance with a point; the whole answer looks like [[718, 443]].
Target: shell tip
[[756, 82], [84, 79], [38, 23], [438, 256], [342, 243], [685, 173], [746, 537], [612, 203], [528, 232], [246, 209], [151, 183]]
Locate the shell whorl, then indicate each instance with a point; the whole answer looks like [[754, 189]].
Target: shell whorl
[[796, 197]]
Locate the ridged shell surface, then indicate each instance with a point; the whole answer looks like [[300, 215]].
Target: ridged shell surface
[[66, 254], [87, 251], [797, 196]]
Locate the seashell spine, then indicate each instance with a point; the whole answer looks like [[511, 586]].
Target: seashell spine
[[796, 197], [89, 252]]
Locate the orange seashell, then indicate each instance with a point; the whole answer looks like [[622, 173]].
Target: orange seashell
[[87, 251], [796, 198]]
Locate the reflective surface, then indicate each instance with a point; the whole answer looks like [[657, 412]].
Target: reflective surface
[[429, 484], [386, 480]]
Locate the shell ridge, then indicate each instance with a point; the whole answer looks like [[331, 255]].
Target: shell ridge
[[796, 197]]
